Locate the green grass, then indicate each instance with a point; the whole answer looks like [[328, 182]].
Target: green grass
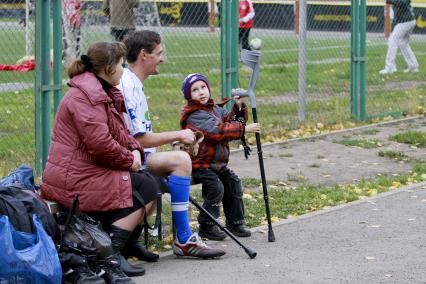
[[414, 138], [251, 182], [366, 144], [16, 130], [399, 156]]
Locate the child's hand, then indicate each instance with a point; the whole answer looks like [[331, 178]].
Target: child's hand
[[253, 127], [238, 100]]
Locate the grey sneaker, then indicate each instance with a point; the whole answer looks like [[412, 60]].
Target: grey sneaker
[[195, 247]]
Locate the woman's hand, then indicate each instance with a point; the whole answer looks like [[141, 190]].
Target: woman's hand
[[137, 161], [253, 127]]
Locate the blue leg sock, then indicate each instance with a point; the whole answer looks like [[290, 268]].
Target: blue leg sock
[[179, 191]]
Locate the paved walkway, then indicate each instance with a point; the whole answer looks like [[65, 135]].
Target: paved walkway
[[375, 240]]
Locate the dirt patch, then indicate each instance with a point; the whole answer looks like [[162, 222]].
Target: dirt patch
[[323, 161]]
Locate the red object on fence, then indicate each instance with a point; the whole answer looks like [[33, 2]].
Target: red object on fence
[[27, 65]]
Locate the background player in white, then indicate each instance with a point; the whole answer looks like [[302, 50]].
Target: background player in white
[[404, 24]]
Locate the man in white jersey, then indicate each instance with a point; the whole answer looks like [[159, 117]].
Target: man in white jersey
[[144, 55], [138, 119]]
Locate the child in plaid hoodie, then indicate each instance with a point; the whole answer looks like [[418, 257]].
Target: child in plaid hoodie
[[209, 166]]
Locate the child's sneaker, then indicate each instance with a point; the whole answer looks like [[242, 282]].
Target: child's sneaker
[[239, 231], [195, 247], [211, 232]]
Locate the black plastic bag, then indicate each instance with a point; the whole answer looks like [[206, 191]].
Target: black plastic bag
[[84, 236]]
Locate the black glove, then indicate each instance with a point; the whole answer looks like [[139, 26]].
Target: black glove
[[239, 117], [247, 151]]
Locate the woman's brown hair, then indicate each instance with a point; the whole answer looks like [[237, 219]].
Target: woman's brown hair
[[100, 56]]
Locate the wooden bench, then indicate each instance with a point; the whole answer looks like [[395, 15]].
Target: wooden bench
[[53, 206]]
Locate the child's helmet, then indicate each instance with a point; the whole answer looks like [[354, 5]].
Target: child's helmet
[[191, 79]]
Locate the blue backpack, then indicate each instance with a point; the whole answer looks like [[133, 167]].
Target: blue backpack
[[22, 176]]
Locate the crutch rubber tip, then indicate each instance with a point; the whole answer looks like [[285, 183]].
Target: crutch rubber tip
[[271, 236], [251, 253]]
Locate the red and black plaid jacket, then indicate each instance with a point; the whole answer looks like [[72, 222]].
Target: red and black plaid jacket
[[218, 129]]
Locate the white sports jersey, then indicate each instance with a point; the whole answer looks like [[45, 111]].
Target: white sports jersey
[[137, 118]]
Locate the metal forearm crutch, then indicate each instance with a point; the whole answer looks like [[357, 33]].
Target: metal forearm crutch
[[251, 58]]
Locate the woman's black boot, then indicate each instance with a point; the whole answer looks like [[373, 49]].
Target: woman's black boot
[[119, 238], [136, 248]]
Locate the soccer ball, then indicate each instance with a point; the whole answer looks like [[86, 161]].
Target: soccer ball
[[256, 43]]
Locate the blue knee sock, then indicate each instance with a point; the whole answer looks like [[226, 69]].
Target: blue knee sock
[[179, 191]]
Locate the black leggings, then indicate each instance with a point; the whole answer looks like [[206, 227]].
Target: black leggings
[[223, 186], [144, 190]]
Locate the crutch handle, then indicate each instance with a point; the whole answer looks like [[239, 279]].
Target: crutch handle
[[239, 92]]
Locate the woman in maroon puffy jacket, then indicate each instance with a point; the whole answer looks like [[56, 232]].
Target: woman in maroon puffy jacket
[[92, 153]]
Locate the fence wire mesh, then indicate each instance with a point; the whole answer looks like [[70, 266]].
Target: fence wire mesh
[[16, 87], [193, 45]]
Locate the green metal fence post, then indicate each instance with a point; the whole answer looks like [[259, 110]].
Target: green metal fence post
[[224, 26], [229, 46], [354, 59], [235, 46], [37, 89], [362, 49], [57, 53], [43, 86], [42, 78]]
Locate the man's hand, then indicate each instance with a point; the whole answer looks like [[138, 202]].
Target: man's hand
[[186, 136], [137, 161]]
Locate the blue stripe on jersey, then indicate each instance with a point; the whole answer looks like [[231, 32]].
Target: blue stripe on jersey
[[132, 113]]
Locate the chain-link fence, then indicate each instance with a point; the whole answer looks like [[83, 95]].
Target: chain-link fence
[[328, 57], [16, 87], [192, 45]]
